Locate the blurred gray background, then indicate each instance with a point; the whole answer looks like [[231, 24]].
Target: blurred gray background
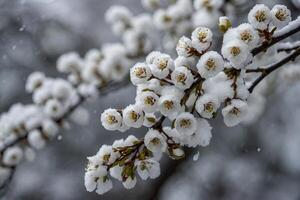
[[260, 161]]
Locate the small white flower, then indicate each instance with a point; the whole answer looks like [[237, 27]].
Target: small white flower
[[173, 133], [93, 56], [133, 116], [61, 89], [139, 73], [235, 112], [186, 123], [154, 141], [54, 108], [148, 169], [207, 105], [163, 20], [162, 64], [184, 47], [202, 39], [151, 57], [148, 101], [34, 81], [41, 95], [130, 182], [236, 52], [259, 17], [151, 4], [118, 13], [36, 140], [248, 35], [201, 137], [50, 128], [210, 64], [182, 77], [281, 16], [69, 63], [12, 156], [169, 105], [131, 140], [97, 179], [111, 119], [208, 4], [106, 155]]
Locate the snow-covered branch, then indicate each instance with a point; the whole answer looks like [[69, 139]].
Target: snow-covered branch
[[177, 98]]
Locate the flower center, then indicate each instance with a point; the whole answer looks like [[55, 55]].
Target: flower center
[[246, 36], [149, 100], [202, 36], [168, 104], [181, 78], [261, 16], [281, 15], [140, 72], [112, 119], [235, 51], [210, 64], [209, 107], [134, 116], [185, 123], [235, 111]]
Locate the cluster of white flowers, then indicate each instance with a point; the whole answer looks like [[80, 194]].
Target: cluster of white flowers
[[136, 31], [176, 98]]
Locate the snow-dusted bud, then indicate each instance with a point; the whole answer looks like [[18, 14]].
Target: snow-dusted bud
[[182, 77], [281, 16], [248, 35], [224, 24], [184, 47], [140, 73], [155, 141], [34, 81], [36, 139], [133, 116], [61, 89], [97, 179], [54, 108], [148, 101], [151, 57], [169, 105], [162, 64], [202, 39], [259, 17], [111, 119], [235, 112], [148, 169], [210, 64], [12, 156], [163, 20], [236, 52], [68, 63], [186, 123], [207, 105]]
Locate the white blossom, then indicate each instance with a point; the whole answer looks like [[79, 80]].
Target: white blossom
[[182, 77], [154, 141], [140, 73], [54, 108], [111, 119], [133, 116], [34, 81], [36, 140], [169, 105], [207, 105], [186, 123], [236, 52], [281, 16], [259, 16], [12, 156], [148, 101], [184, 47], [210, 64], [148, 169], [162, 64], [130, 182], [235, 112], [201, 39]]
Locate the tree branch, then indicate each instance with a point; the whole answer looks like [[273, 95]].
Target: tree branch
[[279, 36], [274, 67]]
